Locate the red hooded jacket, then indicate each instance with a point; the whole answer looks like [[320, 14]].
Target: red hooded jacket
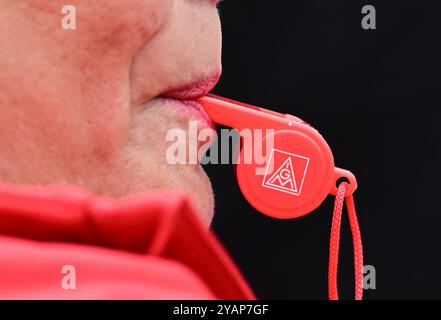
[[150, 246]]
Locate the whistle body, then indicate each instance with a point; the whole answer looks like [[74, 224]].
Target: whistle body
[[297, 171]]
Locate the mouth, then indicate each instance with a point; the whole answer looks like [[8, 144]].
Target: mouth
[[184, 98]]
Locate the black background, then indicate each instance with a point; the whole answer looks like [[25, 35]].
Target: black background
[[375, 96]]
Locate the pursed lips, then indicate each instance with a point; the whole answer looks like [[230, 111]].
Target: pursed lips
[[193, 90], [186, 97]]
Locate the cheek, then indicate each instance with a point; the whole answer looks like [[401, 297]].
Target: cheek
[[105, 23], [95, 59], [120, 28]]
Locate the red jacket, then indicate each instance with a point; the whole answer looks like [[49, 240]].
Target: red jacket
[[142, 247]]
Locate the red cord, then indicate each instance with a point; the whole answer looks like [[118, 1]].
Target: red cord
[[334, 244]]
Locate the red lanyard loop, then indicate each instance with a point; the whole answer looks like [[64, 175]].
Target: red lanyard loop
[[334, 244]]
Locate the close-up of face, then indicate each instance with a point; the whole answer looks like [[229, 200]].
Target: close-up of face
[[92, 106]]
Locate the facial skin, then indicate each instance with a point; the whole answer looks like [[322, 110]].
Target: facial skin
[[81, 106]]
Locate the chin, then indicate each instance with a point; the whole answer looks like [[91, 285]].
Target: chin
[[198, 187], [206, 203], [189, 179]]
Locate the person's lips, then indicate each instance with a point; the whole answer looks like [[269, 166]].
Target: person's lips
[[194, 90], [186, 95]]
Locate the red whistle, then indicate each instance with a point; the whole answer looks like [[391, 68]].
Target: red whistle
[[298, 172]]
